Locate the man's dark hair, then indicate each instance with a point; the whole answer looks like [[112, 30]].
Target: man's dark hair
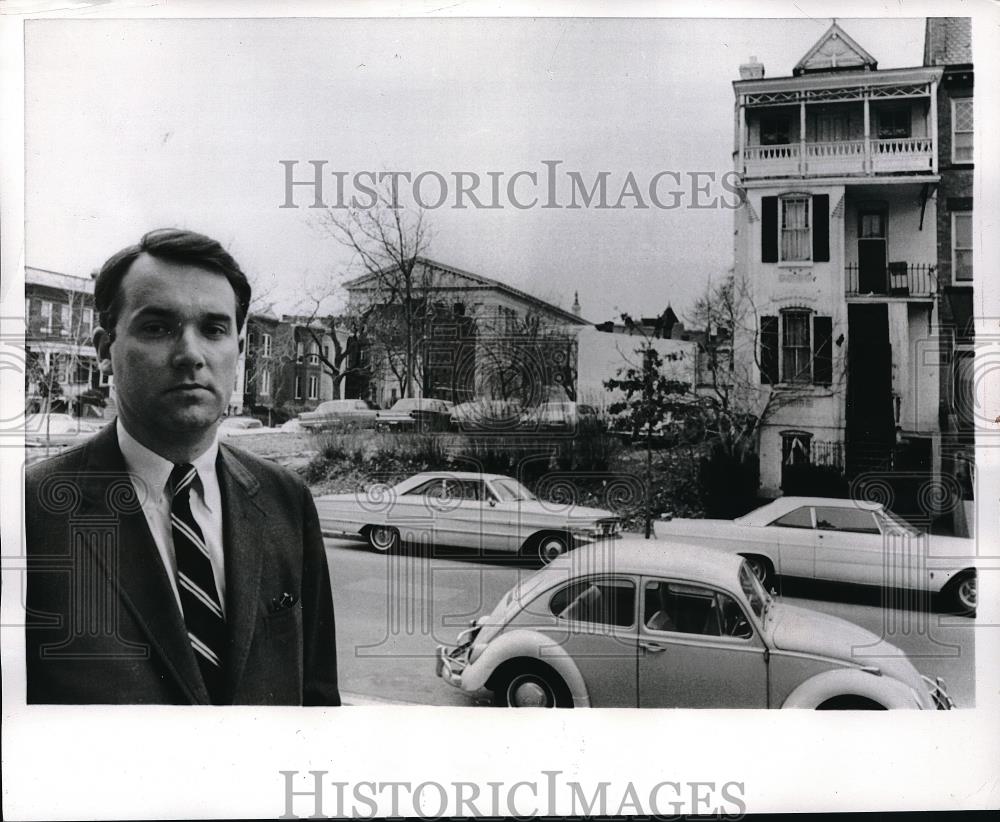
[[172, 245]]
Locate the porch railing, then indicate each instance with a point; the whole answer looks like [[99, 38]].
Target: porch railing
[[895, 279], [871, 156]]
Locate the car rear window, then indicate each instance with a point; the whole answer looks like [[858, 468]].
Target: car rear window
[[799, 518], [856, 520]]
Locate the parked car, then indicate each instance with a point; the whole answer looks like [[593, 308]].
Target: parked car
[[334, 414], [654, 625], [839, 540], [486, 415], [489, 512], [416, 414], [560, 416], [58, 429], [239, 426], [292, 427]]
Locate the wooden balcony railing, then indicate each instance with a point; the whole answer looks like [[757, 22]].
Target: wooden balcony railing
[[872, 156]]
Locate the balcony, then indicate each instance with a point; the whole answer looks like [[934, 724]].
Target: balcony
[[840, 158], [896, 279]]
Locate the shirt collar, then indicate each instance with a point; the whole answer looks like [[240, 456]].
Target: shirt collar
[[154, 470]]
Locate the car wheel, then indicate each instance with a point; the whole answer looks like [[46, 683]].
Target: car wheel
[[383, 538], [964, 594], [761, 567], [549, 547], [531, 688], [849, 702]]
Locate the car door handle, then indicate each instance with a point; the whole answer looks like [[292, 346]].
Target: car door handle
[[652, 647]]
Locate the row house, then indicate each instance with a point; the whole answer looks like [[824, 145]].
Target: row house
[[478, 338], [948, 44], [283, 371], [60, 361], [836, 248]]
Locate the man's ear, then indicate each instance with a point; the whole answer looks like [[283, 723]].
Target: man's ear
[[102, 344]]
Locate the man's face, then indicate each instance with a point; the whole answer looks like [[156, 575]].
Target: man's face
[[175, 350]]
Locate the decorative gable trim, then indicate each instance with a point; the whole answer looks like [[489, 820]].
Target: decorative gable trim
[[834, 51]]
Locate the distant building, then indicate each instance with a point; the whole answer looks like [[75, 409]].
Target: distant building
[[480, 338], [948, 44], [61, 372]]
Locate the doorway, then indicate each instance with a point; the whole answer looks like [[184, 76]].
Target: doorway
[[872, 253]]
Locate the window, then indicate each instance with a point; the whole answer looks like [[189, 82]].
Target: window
[[83, 370], [961, 245], [265, 345], [691, 609], [65, 321], [961, 130], [796, 240], [602, 602], [88, 321], [298, 387], [894, 123], [326, 353], [431, 488], [775, 130], [856, 520], [313, 353], [45, 312], [313, 387], [265, 382], [795, 347], [799, 518]]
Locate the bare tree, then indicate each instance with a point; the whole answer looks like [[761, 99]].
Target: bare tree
[[525, 357], [395, 309]]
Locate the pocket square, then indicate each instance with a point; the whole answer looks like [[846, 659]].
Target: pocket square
[[286, 600]]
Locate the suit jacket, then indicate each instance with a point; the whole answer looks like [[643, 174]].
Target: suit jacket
[[103, 623]]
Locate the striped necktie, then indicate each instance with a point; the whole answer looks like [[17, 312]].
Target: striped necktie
[[200, 602]]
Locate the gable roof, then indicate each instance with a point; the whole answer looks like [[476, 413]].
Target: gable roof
[[477, 280], [836, 50]]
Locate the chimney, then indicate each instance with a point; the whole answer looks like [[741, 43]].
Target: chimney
[[752, 70]]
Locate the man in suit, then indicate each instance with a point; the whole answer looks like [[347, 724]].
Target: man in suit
[[164, 566]]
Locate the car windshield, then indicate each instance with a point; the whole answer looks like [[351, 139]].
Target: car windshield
[[510, 490], [758, 598]]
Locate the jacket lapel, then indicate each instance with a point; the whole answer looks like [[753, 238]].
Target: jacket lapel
[[140, 578], [244, 528]]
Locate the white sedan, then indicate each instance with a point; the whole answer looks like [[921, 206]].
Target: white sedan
[[488, 512], [839, 540]]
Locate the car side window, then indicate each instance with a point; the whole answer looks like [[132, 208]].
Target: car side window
[[431, 488], [691, 609], [602, 602], [799, 518], [856, 520]]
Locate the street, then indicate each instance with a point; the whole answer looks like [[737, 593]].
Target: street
[[392, 611]]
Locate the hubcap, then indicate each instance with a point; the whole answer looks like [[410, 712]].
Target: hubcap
[[967, 592], [550, 549], [528, 693], [382, 538]]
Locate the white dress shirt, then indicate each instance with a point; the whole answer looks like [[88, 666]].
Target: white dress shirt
[[149, 474]]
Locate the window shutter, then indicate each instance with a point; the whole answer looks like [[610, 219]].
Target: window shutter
[[821, 228], [769, 230], [822, 350], [768, 350]]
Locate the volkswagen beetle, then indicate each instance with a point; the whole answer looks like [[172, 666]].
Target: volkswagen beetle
[[666, 625]]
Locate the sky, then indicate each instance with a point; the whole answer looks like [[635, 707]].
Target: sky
[[137, 124]]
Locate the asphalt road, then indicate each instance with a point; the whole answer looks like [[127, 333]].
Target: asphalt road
[[392, 611]]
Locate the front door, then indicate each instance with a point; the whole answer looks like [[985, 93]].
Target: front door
[[697, 649], [872, 252]]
